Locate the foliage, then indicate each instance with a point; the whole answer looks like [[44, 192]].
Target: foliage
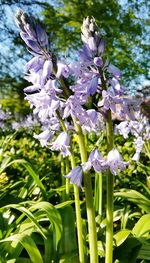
[[131, 206]]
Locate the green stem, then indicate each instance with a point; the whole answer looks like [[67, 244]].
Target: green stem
[[77, 201], [110, 190], [78, 216], [88, 198], [110, 183], [100, 192], [63, 196], [67, 180]]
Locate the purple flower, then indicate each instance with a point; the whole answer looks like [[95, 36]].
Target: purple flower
[[109, 101], [62, 143], [118, 89], [138, 142], [92, 122], [136, 157], [44, 137], [62, 69], [73, 107], [98, 61], [47, 69], [33, 35], [96, 161], [101, 47], [35, 64], [115, 162], [124, 129], [114, 71], [129, 107], [92, 43], [75, 176], [41, 36], [86, 54]]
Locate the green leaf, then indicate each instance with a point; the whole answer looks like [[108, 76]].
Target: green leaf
[[121, 236], [135, 197], [144, 252], [101, 250], [31, 172], [28, 243], [128, 251], [63, 204], [28, 214], [142, 227], [69, 258], [53, 215], [68, 242]]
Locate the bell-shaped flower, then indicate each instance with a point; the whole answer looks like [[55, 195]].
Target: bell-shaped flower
[[47, 69], [62, 143], [114, 71], [62, 69], [138, 142], [109, 101], [118, 89], [129, 107], [136, 157], [96, 161], [115, 162], [123, 128], [101, 47], [44, 137], [76, 176], [35, 64]]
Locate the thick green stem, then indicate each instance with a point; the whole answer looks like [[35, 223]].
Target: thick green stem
[[110, 189], [110, 184], [78, 216], [88, 198], [77, 201]]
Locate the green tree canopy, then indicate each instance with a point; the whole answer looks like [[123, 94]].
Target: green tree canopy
[[124, 25]]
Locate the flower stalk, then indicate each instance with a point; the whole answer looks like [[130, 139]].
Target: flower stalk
[[110, 190], [78, 215], [88, 198], [77, 200]]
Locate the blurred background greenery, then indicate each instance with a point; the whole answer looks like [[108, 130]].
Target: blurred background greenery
[[124, 25]]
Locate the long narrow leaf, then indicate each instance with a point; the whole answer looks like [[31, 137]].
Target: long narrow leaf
[[135, 197], [52, 214], [31, 172], [28, 214], [29, 244]]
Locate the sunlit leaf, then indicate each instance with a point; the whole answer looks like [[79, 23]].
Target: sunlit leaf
[[135, 197], [28, 214], [121, 236], [142, 227], [28, 243]]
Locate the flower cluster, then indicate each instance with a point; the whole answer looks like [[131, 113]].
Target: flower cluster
[[95, 88], [113, 161], [140, 129]]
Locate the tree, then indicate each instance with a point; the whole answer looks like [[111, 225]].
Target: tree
[[123, 28]]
